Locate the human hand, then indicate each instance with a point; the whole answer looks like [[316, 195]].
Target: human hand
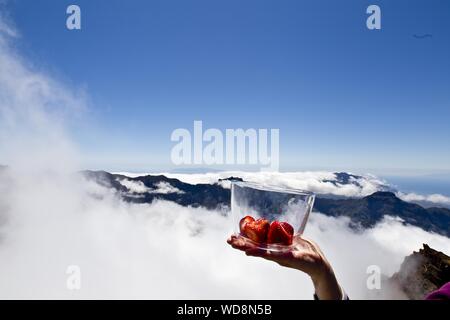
[[305, 256]]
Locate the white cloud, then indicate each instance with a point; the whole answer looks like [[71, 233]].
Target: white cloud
[[162, 187], [6, 26], [134, 186], [33, 114], [432, 198], [166, 188], [7, 30]]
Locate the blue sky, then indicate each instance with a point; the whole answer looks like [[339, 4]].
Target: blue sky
[[343, 97]]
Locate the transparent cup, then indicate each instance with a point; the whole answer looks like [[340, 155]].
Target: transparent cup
[[273, 204]]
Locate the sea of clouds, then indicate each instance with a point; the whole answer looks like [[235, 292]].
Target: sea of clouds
[[51, 218]]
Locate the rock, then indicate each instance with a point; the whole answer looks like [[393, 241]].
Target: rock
[[422, 272]]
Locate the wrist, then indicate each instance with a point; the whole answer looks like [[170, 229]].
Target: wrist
[[326, 285]]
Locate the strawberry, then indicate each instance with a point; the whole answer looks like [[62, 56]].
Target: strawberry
[[257, 230], [280, 232], [244, 221]]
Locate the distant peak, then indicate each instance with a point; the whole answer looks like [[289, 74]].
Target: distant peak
[[382, 194], [231, 179]]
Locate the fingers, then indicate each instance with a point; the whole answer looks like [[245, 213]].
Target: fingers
[[281, 257], [239, 243], [250, 249], [276, 256], [232, 239], [256, 252]]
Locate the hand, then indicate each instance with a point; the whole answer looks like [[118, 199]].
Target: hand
[[305, 256]]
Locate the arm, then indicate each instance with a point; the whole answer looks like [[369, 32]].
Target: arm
[[305, 256]]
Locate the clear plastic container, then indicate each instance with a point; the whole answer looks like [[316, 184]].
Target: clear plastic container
[[272, 204]]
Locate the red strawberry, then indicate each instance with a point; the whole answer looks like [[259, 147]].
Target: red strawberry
[[257, 230], [280, 232], [244, 221], [288, 228]]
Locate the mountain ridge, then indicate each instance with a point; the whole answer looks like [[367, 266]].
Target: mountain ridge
[[363, 212]]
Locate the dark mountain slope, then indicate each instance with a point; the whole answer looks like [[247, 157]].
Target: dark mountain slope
[[363, 212], [210, 196], [369, 210]]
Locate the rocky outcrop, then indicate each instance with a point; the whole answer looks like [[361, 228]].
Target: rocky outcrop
[[422, 272]]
